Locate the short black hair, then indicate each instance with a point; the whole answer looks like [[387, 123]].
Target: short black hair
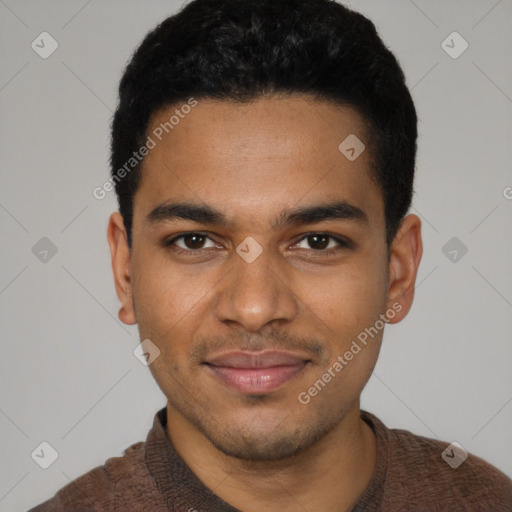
[[239, 50]]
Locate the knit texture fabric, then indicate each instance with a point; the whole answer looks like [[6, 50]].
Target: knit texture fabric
[[410, 475]]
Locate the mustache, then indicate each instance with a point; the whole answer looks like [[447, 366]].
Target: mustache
[[206, 347]]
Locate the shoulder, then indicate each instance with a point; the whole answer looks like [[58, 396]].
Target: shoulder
[[100, 488], [445, 473]]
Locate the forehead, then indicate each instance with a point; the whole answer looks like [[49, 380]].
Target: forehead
[[262, 156]]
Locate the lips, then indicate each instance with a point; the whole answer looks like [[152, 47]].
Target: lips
[[256, 372]]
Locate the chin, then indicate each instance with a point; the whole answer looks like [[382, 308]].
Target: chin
[[258, 448], [244, 442]]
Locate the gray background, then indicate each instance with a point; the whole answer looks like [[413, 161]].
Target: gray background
[[68, 373]]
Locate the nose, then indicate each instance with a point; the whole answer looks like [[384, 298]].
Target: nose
[[255, 294]]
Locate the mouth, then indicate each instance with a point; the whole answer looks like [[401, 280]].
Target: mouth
[[256, 372]]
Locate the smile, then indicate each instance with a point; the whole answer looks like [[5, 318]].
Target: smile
[[256, 372]]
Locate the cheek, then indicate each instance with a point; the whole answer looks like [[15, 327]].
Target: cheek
[[166, 297], [350, 298]]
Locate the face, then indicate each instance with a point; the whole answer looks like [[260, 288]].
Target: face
[[258, 260]]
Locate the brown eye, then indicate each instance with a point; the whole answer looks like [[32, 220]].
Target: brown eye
[[323, 242], [190, 242], [194, 241], [318, 241]]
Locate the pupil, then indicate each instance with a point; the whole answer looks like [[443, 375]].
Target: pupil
[[194, 244], [315, 239]]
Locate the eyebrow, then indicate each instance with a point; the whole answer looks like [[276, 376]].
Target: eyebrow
[[203, 214]]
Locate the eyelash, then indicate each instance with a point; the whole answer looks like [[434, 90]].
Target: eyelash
[[342, 243]]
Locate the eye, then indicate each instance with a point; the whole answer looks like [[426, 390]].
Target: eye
[[190, 242], [323, 242]]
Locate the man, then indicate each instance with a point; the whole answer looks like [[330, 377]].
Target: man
[[263, 156]]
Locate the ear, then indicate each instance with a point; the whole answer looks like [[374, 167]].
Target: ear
[[405, 256], [121, 267]]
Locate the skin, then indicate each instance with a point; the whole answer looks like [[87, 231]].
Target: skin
[[254, 162]]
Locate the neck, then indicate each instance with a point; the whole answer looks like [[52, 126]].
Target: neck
[[330, 475]]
